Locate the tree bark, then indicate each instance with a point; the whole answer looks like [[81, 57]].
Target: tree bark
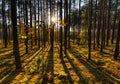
[[114, 22], [4, 25], [116, 52], [89, 28], [15, 36], [61, 36], [35, 22], [108, 24], [66, 27], [26, 29]]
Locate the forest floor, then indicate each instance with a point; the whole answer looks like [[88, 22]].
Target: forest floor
[[73, 68]]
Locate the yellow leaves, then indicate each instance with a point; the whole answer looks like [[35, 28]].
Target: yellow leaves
[[62, 23], [22, 36]]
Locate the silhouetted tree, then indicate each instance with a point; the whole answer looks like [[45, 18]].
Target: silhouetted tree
[[4, 25], [66, 27], [15, 36], [26, 29], [35, 22], [116, 53], [114, 22], [61, 36], [89, 28]]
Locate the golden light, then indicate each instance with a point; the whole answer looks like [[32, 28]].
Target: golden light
[[53, 19]]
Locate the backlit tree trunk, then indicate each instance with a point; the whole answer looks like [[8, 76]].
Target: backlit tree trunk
[[66, 27], [116, 53], [15, 36], [114, 22], [89, 28], [4, 25], [26, 29]]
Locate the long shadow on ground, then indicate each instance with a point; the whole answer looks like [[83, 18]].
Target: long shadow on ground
[[77, 71], [8, 79], [69, 79], [94, 69], [49, 68], [9, 67]]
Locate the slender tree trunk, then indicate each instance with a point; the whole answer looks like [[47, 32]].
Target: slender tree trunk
[[108, 24], [38, 26], [26, 29], [89, 28], [79, 23], [44, 34], [31, 38], [35, 22], [116, 52], [69, 24], [66, 27], [15, 36], [61, 36], [4, 25], [114, 22], [95, 16], [103, 26], [51, 29], [9, 20], [99, 23], [46, 21], [44, 27], [41, 30], [104, 23], [57, 22]]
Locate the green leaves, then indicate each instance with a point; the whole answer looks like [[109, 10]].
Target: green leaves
[[22, 36]]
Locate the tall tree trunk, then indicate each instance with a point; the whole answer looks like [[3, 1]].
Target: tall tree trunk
[[44, 27], [89, 28], [26, 29], [95, 16], [15, 36], [51, 29], [99, 23], [105, 23], [66, 27], [35, 22], [19, 7], [103, 26], [57, 35], [114, 22], [79, 22], [61, 36], [38, 26], [116, 52], [41, 11], [44, 34], [9, 23], [31, 38], [4, 25], [69, 24], [108, 24]]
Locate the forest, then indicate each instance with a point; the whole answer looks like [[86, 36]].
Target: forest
[[59, 41]]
